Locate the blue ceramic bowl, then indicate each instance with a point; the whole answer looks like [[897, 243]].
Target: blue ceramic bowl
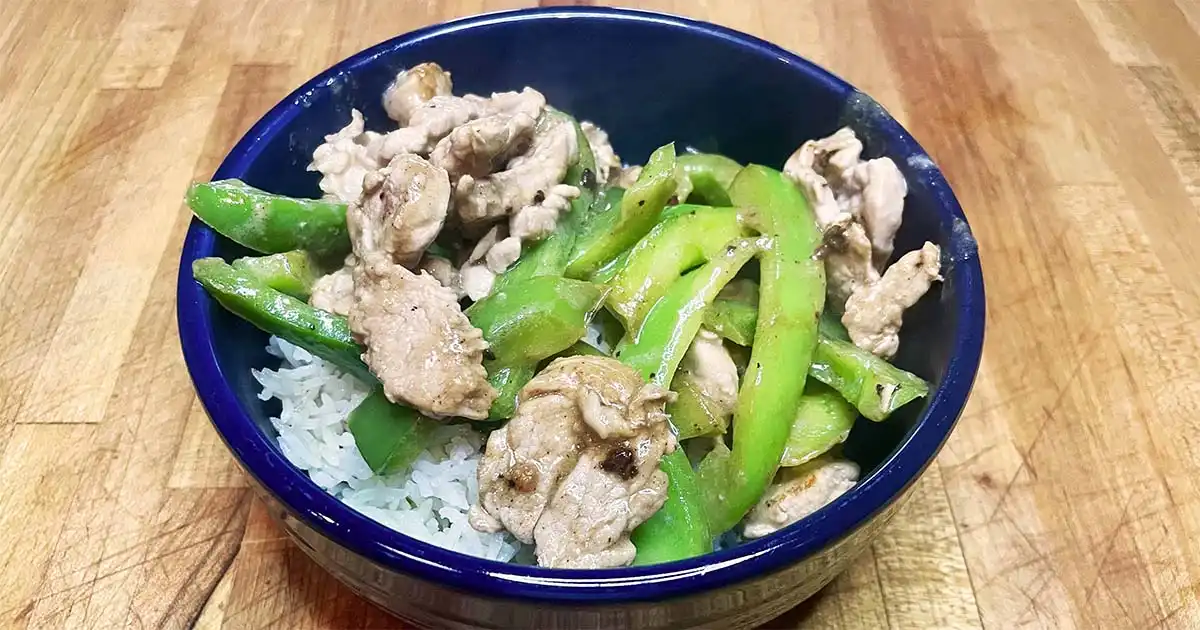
[[648, 79]]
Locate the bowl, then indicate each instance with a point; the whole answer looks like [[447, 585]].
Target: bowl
[[647, 79]]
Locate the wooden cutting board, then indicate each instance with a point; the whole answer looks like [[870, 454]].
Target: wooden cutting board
[[1068, 496]]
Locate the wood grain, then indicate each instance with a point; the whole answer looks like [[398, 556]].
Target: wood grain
[[1069, 496]]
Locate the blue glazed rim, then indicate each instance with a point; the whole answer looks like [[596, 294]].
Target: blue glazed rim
[[334, 520]]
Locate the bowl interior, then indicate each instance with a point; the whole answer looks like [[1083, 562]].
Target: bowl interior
[[647, 81]]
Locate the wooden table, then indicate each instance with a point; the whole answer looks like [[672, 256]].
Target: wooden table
[[1067, 497]]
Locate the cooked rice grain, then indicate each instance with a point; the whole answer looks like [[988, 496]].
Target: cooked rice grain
[[428, 502]]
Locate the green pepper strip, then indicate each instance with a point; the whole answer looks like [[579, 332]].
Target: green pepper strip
[[291, 272], [688, 236], [790, 302], [692, 412], [711, 175], [733, 320], [656, 348], [875, 387], [609, 234], [323, 334], [545, 258], [389, 436], [679, 529], [268, 223], [548, 257], [535, 318], [823, 420]]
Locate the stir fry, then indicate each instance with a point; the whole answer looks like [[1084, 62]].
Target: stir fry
[[658, 354]]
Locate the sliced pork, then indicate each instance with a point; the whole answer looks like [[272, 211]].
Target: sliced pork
[[576, 469]]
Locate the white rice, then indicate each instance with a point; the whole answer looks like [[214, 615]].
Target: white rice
[[428, 502]]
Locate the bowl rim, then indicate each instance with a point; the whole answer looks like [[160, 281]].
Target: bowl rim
[[358, 533]]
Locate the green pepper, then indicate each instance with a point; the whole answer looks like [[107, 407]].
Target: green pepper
[[692, 412], [609, 234], [508, 379], [679, 529], [291, 272], [711, 175], [548, 257], [823, 420], [686, 237], [535, 318], [791, 297], [389, 436], [656, 347], [269, 223], [875, 387], [733, 320], [323, 334]]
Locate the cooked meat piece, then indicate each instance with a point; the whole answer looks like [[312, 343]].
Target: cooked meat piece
[[537, 220], [436, 118], [335, 292], [625, 177], [875, 313], [401, 211], [418, 341], [485, 243], [798, 492], [576, 469], [444, 272], [429, 123], [881, 189], [713, 371], [480, 146], [345, 158], [817, 166], [607, 160], [481, 200], [847, 253], [476, 280], [840, 185], [414, 87], [503, 254]]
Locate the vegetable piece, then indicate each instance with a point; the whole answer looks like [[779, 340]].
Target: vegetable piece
[[692, 412], [389, 436], [291, 272], [508, 381], [679, 242], [733, 320], [679, 529], [711, 175], [269, 223], [791, 297], [875, 387], [831, 326], [823, 420], [605, 274], [323, 334], [609, 234], [548, 257], [656, 348], [535, 318]]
